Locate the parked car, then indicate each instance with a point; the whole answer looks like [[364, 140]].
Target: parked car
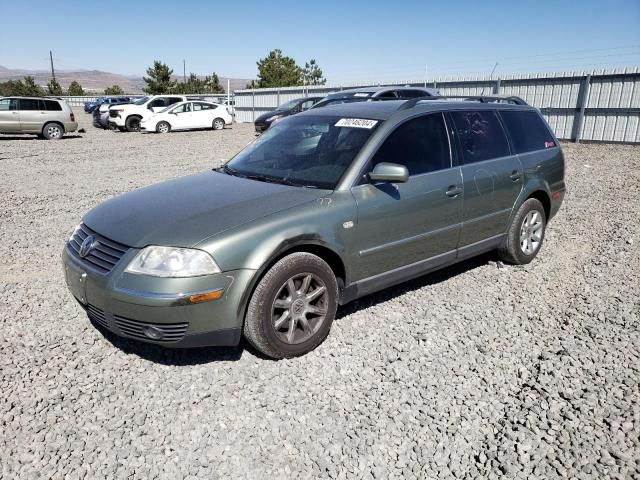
[[187, 116], [290, 108], [89, 107], [45, 117], [375, 93], [325, 207], [128, 117], [101, 114]]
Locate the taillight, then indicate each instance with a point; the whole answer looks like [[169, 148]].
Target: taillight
[[72, 117]]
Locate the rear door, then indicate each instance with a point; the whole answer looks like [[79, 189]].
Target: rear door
[[9, 115], [203, 114], [31, 113], [492, 176], [405, 223], [51, 111]]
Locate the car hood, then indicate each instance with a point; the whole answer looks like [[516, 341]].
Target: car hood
[[187, 210]]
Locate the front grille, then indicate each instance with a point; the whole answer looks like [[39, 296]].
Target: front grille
[[97, 316], [170, 332], [105, 253], [113, 113]]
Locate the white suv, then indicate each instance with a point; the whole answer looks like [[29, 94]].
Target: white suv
[[127, 117]]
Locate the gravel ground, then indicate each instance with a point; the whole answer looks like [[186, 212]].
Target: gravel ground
[[478, 371]]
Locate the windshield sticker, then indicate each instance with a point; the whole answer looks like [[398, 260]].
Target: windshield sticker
[[356, 123], [361, 94]]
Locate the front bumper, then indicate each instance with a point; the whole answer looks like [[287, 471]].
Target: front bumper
[[261, 127], [157, 310]]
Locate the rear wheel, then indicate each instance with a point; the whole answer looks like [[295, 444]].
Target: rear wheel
[[293, 306], [218, 124], [133, 124], [53, 131], [526, 233], [163, 127]]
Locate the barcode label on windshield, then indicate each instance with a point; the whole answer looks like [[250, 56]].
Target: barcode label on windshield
[[356, 123]]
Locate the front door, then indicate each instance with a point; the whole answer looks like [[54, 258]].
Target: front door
[[405, 223], [492, 176], [183, 117], [9, 116]]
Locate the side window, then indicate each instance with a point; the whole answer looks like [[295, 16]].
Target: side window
[[390, 95], [158, 102], [412, 93], [9, 104], [307, 105], [186, 107], [481, 135], [52, 106], [420, 144], [527, 130], [172, 100], [29, 104]]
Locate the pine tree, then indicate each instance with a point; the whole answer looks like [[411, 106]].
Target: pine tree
[[54, 88], [159, 79], [113, 90], [75, 89], [312, 74], [277, 70]]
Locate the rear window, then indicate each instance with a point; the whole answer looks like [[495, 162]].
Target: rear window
[[527, 130], [481, 135], [52, 106]]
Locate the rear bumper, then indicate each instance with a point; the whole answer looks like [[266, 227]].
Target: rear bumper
[[70, 127], [156, 310]]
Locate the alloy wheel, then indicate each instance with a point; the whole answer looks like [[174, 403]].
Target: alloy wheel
[[531, 232], [299, 308], [53, 131]]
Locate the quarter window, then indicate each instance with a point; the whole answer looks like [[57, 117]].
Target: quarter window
[[527, 130], [481, 135], [420, 144], [52, 106]]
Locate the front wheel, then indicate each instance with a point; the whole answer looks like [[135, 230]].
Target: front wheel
[[133, 124], [526, 233], [163, 127], [218, 124], [293, 306]]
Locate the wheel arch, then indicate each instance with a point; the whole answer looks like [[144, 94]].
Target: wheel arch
[[544, 198], [57, 122]]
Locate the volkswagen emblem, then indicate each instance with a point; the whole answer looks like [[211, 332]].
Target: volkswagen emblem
[[87, 245]]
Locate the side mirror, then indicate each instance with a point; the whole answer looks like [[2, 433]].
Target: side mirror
[[389, 172]]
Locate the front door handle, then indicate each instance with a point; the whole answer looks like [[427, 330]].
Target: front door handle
[[453, 191], [515, 175]]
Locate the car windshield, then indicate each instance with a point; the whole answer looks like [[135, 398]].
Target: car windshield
[[140, 101], [343, 98], [310, 151], [287, 106]]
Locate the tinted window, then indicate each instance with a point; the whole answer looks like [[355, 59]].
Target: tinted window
[[158, 102], [390, 95], [29, 104], [8, 104], [412, 93], [527, 130], [420, 144], [172, 100], [52, 106], [481, 135]]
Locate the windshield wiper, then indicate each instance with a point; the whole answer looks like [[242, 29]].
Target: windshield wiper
[[280, 180], [231, 171]]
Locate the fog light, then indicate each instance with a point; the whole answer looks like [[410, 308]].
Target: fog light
[[153, 333]]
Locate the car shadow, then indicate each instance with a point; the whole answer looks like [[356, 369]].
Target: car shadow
[[433, 278], [26, 138], [182, 357]]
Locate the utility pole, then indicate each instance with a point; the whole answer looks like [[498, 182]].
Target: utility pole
[[184, 71], [53, 72]]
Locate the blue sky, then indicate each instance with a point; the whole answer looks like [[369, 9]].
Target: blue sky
[[352, 41]]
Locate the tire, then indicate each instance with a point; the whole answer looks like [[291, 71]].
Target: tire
[[525, 234], [133, 124], [53, 131], [218, 124], [282, 324], [163, 127]]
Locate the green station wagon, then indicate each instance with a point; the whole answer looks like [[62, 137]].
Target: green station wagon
[[327, 206]]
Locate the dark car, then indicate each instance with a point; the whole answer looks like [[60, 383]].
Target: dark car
[[290, 108], [325, 207], [375, 93], [89, 107], [101, 113]]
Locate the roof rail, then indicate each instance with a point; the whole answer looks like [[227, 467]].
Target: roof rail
[[473, 98]]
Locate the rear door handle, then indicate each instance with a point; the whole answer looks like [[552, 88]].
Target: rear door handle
[[453, 191], [515, 175]]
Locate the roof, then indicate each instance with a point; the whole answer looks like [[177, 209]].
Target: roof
[[382, 110]]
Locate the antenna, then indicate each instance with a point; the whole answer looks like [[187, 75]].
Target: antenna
[[53, 72], [490, 76]]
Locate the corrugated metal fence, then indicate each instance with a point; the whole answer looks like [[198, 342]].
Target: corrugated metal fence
[[602, 105]]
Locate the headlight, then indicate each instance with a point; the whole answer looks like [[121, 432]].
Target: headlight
[[74, 231], [273, 118], [172, 262]]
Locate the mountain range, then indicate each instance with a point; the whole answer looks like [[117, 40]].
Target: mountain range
[[97, 80]]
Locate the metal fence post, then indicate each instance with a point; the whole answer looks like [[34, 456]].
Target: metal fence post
[[253, 105], [496, 87], [278, 101], [578, 119]]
